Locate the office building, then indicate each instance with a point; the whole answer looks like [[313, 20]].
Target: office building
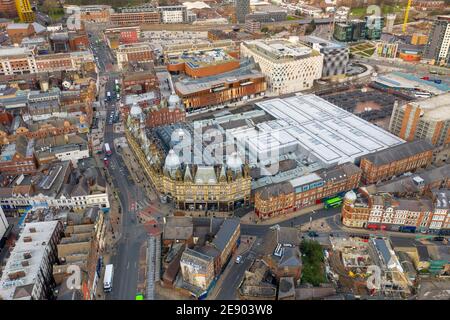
[[252, 26], [427, 119], [173, 14], [287, 65], [355, 30], [95, 13], [25, 11], [267, 16], [335, 55], [242, 9], [438, 44], [390, 20], [374, 27], [134, 53], [28, 271], [131, 16]]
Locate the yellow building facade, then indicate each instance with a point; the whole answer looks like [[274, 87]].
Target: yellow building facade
[[25, 11], [191, 187]]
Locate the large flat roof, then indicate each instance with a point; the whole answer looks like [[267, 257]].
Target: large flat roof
[[279, 50], [316, 128], [435, 108], [401, 80], [39, 234]]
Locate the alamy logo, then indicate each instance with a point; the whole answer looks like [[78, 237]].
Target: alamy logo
[[374, 17], [74, 20], [212, 147], [74, 280], [374, 280]]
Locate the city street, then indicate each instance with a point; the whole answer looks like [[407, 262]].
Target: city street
[[132, 234]]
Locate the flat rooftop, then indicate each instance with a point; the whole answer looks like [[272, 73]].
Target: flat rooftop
[[18, 262], [322, 43], [279, 49], [246, 70], [435, 108], [400, 80], [14, 51], [200, 59], [313, 126]]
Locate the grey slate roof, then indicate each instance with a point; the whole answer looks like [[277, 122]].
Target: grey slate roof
[[226, 230], [399, 152]]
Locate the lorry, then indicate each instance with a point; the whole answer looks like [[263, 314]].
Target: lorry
[[108, 278]]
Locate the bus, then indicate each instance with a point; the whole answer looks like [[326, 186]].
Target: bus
[[108, 278], [107, 149], [421, 94], [333, 202]]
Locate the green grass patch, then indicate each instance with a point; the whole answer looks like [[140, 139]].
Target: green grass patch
[[361, 12], [313, 267]]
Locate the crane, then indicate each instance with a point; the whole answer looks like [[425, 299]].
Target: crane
[[405, 21]]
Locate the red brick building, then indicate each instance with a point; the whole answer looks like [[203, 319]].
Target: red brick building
[[163, 115], [8, 9], [138, 81], [17, 31], [406, 157], [78, 41], [135, 18], [134, 53], [18, 157], [305, 191]]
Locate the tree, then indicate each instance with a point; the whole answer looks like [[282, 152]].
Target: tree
[[311, 27]]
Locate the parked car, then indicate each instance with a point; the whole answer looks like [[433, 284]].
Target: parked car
[[238, 259], [312, 234]]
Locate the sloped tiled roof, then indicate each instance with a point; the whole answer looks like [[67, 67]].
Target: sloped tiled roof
[[399, 152]]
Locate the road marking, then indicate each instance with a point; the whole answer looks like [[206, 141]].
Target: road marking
[[128, 265]]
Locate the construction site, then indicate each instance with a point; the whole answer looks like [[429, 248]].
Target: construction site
[[351, 266]]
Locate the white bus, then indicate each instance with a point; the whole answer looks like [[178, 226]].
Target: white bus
[[420, 94], [108, 278]]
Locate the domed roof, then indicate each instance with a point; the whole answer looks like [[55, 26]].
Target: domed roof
[[135, 111], [350, 196], [234, 162], [172, 160]]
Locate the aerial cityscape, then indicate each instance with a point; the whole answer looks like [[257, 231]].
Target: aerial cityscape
[[240, 150]]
